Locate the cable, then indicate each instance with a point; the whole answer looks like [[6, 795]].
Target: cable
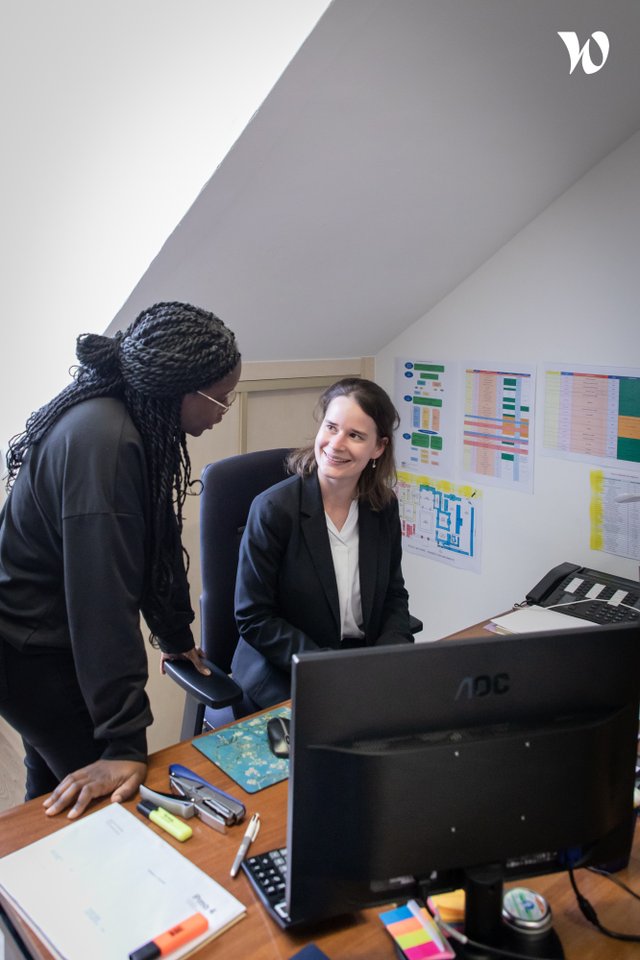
[[451, 932], [620, 883], [586, 908], [588, 911], [573, 603]]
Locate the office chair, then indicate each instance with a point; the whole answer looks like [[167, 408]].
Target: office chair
[[229, 487]]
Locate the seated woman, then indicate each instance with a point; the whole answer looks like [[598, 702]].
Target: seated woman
[[320, 558]]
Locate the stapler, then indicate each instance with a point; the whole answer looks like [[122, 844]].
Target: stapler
[[194, 796]]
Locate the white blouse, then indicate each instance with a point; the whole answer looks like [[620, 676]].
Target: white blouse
[[344, 550]]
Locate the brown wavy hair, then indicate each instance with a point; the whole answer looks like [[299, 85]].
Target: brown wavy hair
[[375, 485]]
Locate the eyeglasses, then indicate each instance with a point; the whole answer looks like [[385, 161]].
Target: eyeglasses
[[228, 400]]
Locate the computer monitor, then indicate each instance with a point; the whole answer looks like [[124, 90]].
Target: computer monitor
[[417, 769]]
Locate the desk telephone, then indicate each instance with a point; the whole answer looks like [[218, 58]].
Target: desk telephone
[[588, 594]]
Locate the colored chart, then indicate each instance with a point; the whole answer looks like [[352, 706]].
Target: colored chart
[[592, 414], [425, 400], [615, 513], [498, 427], [440, 520]]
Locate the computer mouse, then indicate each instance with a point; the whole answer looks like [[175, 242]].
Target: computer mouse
[[278, 734]]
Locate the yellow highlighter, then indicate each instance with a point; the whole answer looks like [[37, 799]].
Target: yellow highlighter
[[162, 818]]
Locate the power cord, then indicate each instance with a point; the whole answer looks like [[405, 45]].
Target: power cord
[[586, 908], [522, 604], [573, 603], [449, 931], [618, 882], [588, 911]]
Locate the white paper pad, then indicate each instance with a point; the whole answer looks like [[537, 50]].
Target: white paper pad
[[106, 884]]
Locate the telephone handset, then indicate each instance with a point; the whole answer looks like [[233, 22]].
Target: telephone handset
[[588, 594], [551, 580]]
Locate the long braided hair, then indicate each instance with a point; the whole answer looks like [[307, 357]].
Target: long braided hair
[[170, 349]]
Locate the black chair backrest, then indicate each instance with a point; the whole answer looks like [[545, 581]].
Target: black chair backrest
[[229, 487]]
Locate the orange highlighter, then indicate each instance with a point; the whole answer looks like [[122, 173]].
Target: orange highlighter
[[165, 943]]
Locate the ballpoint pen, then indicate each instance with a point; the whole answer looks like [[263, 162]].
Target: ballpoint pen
[[250, 834]]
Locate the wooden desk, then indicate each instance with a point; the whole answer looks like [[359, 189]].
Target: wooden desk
[[256, 937]]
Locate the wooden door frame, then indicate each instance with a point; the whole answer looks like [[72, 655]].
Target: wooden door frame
[[261, 376]]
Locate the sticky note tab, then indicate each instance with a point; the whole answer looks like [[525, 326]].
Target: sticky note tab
[[412, 934], [450, 906]]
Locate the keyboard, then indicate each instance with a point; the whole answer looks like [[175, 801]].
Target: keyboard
[[588, 594], [267, 873], [602, 613], [598, 610]]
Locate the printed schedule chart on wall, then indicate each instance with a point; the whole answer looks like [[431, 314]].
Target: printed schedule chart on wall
[[498, 426], [615, 513], [425, 397], [592, 413]]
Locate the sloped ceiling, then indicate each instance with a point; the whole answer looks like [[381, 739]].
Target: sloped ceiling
[[406, 142]]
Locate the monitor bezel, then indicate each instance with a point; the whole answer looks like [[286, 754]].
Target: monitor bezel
[[341, 696]]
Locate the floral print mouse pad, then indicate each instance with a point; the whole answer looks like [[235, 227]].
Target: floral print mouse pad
[[242, 751]]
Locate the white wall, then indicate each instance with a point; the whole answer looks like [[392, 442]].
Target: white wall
[[567, 289], [113, 117]]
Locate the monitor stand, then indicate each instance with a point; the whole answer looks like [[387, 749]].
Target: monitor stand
[[485, 925]]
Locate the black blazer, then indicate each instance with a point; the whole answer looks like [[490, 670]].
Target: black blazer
[[286, 592]]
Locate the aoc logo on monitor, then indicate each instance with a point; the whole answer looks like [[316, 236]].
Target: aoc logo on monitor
[[582, 55], [483, 685]]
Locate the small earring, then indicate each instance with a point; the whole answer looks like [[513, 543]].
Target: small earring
[[373, 464]]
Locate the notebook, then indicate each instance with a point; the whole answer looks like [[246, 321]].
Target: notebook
[[106, 884]]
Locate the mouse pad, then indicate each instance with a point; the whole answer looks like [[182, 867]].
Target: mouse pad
[[242, 752]]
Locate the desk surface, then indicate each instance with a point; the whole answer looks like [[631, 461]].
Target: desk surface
[[362, 937]]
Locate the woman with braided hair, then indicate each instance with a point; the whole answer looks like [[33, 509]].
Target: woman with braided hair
[[90, 536]]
